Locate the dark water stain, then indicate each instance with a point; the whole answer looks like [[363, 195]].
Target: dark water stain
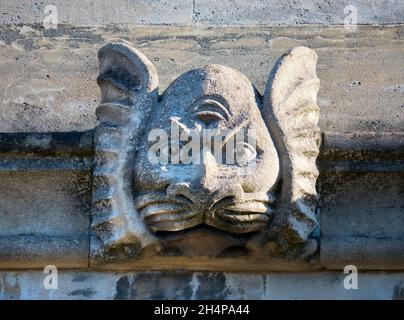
[[172, 285], [155, 286], [211, 286], [81, 277], [122, 288], [86, 293], [398, 293]]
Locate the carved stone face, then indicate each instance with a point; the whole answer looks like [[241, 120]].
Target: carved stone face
[[227, 177], [230, 195]]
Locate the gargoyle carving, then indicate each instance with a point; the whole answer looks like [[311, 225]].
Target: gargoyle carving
[[147, 183]]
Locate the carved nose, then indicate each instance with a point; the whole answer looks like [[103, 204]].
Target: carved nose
[[205, 188], [207, 174], [209, 188], [201, 186]]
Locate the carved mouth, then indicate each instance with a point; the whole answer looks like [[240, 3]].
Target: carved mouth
[[241, 217], [163, 213]]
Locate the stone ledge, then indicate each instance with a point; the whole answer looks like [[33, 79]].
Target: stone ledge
[[37, 251], [367, 253], [51, 144], [341, 241], [362, 152], [77, 284], [340, 152]]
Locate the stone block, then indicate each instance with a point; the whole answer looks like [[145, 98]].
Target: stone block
[[99, 12], [44, 218], [362, 220], [284, 12]]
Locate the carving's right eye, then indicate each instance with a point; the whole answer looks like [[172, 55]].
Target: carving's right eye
[[211, 111], [241, 154], [245, 153], [209, 117]]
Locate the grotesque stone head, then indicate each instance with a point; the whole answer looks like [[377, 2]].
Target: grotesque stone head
[[220, 191], [210, 151]]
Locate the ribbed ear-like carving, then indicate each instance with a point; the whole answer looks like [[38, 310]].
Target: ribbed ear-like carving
[[126, 78], [129, 85], [291, 113]]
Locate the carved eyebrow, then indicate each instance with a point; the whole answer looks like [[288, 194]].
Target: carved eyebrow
[[212, 108]]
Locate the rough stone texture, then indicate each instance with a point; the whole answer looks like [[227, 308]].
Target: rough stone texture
[[35, 251], [44, 218], [61, 65], [361, 203], [285, 12], [195, 286], [362, 219], [99, 12], [204, 12]]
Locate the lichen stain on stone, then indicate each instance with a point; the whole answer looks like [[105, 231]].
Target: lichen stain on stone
[[9, 290], [12, 34], [80, 190]]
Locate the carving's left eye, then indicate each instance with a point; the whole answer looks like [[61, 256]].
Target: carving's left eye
[[245, 153]]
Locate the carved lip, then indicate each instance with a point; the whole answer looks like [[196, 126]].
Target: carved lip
[[163, 213], [248, 216]]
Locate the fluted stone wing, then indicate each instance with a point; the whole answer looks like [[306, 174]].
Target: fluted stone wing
[[128, 82], [291, 113]]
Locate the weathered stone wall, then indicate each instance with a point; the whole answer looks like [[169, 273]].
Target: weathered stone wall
[[48, 76], [204, 12], [48, 84]]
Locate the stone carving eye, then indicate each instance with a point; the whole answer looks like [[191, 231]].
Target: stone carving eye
[[209, 117], [211, 111], [244, 153]]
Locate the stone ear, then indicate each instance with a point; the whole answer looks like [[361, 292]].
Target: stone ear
[[291, 113], [129, 87], [127, 79]]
